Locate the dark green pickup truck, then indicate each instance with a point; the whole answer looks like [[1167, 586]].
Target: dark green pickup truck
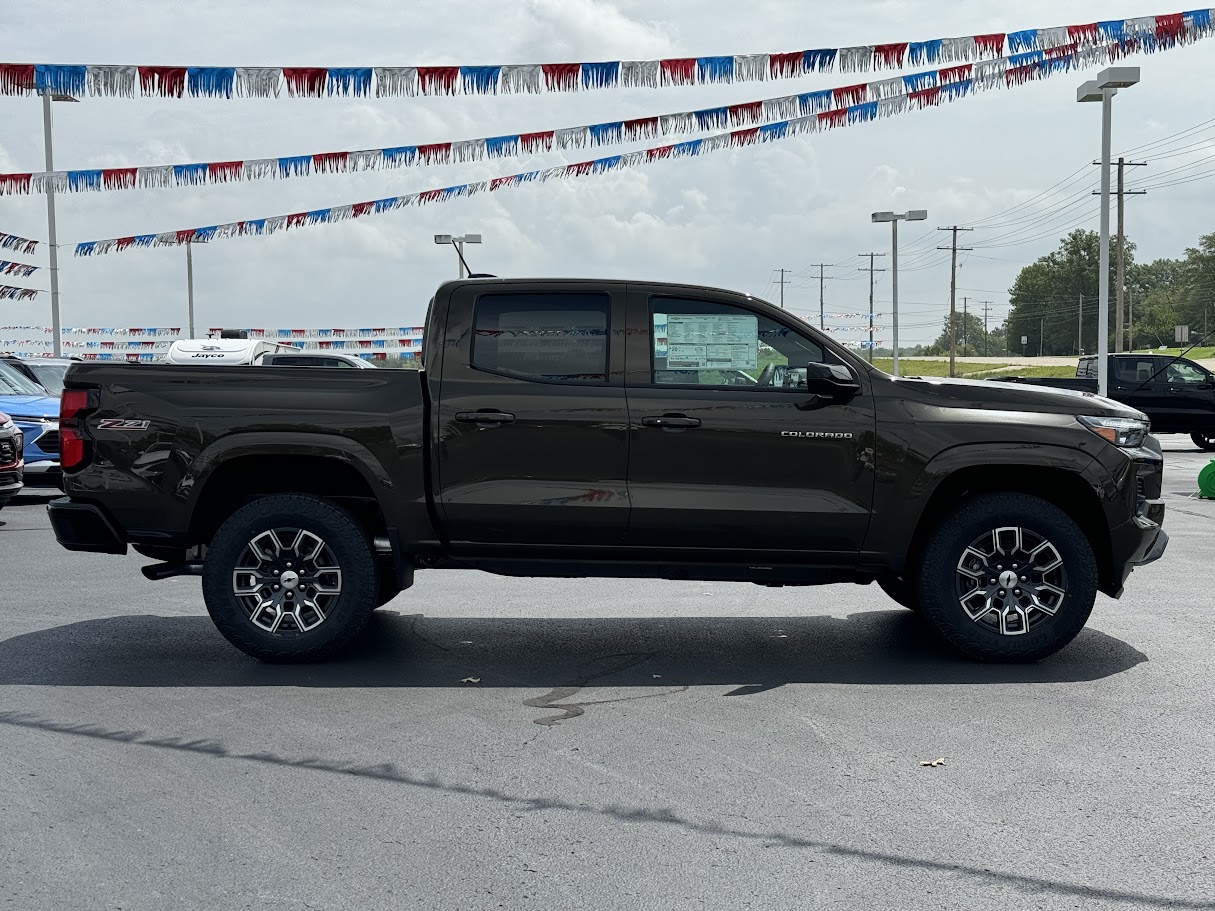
[[570, 428], [1176, 394]]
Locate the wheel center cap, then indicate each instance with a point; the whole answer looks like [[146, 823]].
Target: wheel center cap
[[1008, 579], [290, 579]]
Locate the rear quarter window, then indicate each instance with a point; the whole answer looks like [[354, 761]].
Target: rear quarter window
[[548, 337]]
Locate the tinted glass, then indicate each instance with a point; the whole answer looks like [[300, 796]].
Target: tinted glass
[[706, 343], [554, 337], [12, 382], [1134, 369]]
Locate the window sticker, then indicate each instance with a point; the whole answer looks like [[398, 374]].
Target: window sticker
[[694, 341]]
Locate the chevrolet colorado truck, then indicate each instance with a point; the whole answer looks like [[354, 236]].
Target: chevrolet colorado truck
[[574, 428], [1176, 394]]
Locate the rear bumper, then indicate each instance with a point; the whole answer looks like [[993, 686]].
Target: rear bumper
[[84, 527]]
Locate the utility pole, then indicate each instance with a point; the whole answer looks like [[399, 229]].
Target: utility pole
[[965, 324], [821, 267], [1120, 279], [1041, 333], [871, 271], [783, 282], [986, 313], [1130, 322], [953, 291]]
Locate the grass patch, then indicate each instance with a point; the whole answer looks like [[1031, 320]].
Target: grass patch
[[909, 366]]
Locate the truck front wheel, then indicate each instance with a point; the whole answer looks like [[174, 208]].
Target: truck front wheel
[[290, 578], [1008, 577]]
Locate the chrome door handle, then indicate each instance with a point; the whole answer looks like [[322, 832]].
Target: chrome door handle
[[484, 417], [670, 421]]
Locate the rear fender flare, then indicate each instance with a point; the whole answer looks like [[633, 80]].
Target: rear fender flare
[[321, 445]]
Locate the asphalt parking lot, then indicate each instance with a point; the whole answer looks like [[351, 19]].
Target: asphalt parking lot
[[627, 745]]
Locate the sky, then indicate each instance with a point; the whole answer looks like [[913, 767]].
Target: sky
[[730, 219]]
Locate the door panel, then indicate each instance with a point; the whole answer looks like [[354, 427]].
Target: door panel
[[533, 459], [765, 468], [1189, 399]]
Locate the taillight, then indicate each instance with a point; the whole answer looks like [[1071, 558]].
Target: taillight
[[71, 448], [74, 405]]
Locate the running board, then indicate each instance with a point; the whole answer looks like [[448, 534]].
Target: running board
[[158, 571]]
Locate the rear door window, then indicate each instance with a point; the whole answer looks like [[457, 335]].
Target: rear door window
[[1134, 369], [546, 337]]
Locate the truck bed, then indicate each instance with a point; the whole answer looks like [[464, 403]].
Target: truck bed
[[168, 462]]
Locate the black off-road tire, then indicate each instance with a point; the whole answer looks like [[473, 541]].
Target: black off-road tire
[[1204, 441], [345, 618], [938, 572], [901, 591]]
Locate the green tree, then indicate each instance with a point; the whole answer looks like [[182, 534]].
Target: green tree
[[1046, 298], [970, 336]]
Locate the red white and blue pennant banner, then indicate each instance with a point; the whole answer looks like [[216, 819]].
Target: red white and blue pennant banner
[[414, 332], [19, 269], [891, 92], [1145, 33], [965, 82], [9, 293], [20, 244]]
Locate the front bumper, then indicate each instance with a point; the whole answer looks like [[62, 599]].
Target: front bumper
[[10, 483], [1139, 542], [84, 527]]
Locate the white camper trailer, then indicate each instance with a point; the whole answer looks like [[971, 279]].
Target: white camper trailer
[[225, 352]]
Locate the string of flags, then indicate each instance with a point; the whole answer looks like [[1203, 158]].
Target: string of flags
[[407, 344], [410, 332], [20, 244], [986, 74], [959, 82], [19, 269], [10, 293], [1146, 33]]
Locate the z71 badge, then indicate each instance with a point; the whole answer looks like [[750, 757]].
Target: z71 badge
[[119, 424]]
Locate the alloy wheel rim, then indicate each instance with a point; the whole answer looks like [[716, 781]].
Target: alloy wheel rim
[[1011, 580], [287, 580]]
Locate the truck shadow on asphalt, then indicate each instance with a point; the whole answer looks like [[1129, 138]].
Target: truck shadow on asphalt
[[750, 654]]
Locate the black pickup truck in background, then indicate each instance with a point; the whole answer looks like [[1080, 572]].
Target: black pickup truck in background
[[571, 428], [1176, 394]]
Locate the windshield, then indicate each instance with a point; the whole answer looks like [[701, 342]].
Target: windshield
[[13, 383], [50, 376]]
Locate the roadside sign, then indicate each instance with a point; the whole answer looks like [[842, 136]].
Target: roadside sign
[[1181, 334], [1025, 340]]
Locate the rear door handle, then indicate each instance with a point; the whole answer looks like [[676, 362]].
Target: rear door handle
[[484, 417], [670, 421]]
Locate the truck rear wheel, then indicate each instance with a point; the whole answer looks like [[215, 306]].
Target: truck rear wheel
[[1008, 577], [1204, 441], [290, 577]]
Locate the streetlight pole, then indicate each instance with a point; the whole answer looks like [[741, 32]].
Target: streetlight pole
[[894, 218], [458, 243], [1103, 89], [190, 283], [52, 239]]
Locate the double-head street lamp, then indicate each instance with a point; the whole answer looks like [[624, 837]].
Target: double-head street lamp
[[894, 218], [458, 243], [1103, 89]]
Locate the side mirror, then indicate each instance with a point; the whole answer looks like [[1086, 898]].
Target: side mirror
[[832, 380]]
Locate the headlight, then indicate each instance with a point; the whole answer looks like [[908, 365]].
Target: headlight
[[1128, 433]]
